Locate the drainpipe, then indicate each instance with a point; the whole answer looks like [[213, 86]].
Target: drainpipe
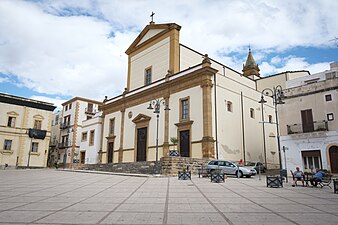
[[216, 121], [243, 136]]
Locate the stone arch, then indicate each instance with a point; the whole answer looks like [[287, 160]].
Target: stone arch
[[332, 152]]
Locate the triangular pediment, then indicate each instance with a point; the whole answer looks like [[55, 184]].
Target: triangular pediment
[[141, 118], [12, 113], [150, 33], [38, 117]]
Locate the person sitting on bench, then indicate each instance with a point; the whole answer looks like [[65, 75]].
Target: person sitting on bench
[[318, 177], [298, 175]]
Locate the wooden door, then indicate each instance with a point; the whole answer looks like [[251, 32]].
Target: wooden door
[[185, 143], [141, 144], [333, 151], [307, 120], [82, 157], [110, 152]]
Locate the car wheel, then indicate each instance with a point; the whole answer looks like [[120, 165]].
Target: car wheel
[[240, 174]]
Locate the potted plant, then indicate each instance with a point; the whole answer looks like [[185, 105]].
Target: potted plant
[[174, 151]]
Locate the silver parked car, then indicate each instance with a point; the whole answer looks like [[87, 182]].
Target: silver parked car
[[255, 165], [230, 168]]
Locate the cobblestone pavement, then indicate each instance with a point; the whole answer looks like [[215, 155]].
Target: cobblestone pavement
[[58, 197]]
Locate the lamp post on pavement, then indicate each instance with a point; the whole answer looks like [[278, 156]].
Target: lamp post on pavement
[[156, 106], [277, 94]]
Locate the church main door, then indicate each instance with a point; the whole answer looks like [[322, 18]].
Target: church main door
[[333, 151], [185, 143], [141, 144]]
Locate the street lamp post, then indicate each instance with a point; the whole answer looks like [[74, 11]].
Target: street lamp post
[[156, 106], [277, 94]]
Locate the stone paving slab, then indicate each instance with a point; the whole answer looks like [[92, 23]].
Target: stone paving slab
[[57, 197]]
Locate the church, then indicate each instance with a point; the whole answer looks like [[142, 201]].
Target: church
[[176, 93]]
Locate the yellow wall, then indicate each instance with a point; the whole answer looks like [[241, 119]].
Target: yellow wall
[[156, 56], [21, 143]]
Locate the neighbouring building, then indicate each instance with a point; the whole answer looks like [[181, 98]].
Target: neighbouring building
[[74, 112], [308, 122], [25, 131], [91, 140], [214, 110], [55, 156]]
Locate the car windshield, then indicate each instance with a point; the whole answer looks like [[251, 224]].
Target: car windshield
[[250, 164]]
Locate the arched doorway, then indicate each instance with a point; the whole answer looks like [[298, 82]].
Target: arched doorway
[[333, 151]]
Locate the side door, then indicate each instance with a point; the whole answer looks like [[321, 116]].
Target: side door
[[231, 168], [221, 165]]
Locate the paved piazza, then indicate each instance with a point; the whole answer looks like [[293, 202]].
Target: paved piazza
[[60, 197]]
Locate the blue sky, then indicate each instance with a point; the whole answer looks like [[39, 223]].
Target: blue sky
[[55, 50]]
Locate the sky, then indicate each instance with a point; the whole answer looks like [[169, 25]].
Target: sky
[[53, 50]]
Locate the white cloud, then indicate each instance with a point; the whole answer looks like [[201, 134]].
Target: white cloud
[[3, 79], [75, 54], [291, 63]]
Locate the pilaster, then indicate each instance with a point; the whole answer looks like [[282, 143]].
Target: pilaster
[[120, 159]]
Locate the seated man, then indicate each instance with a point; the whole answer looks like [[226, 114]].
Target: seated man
[[318, 177], [298, 175]]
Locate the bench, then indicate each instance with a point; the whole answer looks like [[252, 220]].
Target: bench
[[295, 179], [203, 171], [326, 181]]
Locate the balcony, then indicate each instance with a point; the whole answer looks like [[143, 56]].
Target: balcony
[[316, 126], [90, 111], [64, 144], [53, 143], [64, 125]]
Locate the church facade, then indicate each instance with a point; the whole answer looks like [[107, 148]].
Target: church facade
[[214, 110]]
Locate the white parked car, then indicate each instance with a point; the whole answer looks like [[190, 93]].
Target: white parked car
[[230, 168]]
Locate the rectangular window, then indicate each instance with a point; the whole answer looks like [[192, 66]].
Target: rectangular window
[[229, 106], [270, 118], [65, 141], [35, 146], [84, 136], [11, 122], [90, 107], [328, 98], [91, 137], [330, 116], [37, 124], [70, 106], [147, 76], [8, 145], [66, 120], [312, 160], [111, 126], [185, 109], [66, 108], [56, 119], [252, 113]]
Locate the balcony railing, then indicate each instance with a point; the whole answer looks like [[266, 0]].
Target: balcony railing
[[53, 143], [90, 111], [64, 144], [307, 128], [64, 125]]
